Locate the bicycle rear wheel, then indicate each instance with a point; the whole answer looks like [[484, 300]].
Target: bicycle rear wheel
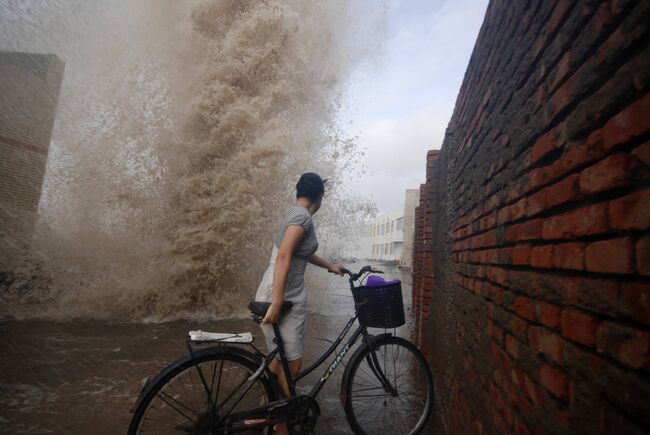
[[177, 401], [373, 409]]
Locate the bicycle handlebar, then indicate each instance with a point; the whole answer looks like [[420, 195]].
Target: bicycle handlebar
[[356, 276]]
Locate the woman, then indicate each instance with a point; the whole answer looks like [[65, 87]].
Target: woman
[[294, 246]]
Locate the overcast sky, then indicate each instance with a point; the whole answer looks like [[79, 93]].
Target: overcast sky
[[401, 104]]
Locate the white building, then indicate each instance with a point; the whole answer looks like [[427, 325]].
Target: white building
[[384, 237], [389, 237], [412, 200]]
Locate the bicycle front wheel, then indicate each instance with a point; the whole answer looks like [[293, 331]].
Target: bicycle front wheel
[[193, 394], [401, 405]]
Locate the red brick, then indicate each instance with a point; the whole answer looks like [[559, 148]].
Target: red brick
[[559, 12], [542, 256], [632, 212], [517, 376], [579, 327], [569, 255], [548, 343], [524, 308], [511, 345], [521, 254], [642, 152], [554, 381], [518, 209], [532, 391], [575, 154], [627, 124], [536, 203], [563, 191], [610, 256], [529, 230], [601, 18], [629, 346], [503, 215], [544, 145], [584, 221], [561, 70], [497, 275], [636, 299], [561, 98], [498, 334], [484, 240], [548, 314], [609, 173], [520, 428], [504, 255], [643, 255], [518, 327]]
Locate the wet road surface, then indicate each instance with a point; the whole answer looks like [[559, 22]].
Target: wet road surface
[[82, 377]]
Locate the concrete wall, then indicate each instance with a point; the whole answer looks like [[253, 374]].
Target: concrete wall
[[29, 90], [532, 252]]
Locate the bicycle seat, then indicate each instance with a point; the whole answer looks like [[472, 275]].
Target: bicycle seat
[[260, 308]]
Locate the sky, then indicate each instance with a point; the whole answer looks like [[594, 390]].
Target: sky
[[399, 104]]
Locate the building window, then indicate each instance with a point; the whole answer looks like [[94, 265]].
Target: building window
[[399, 224], [392, 226]]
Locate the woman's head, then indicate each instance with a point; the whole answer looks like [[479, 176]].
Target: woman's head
[[312, 187]]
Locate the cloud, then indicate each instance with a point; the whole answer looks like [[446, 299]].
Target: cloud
[[396, 154], [401, 104]]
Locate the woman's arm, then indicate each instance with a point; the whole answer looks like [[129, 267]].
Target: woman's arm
[[290, 241], [321, 262]]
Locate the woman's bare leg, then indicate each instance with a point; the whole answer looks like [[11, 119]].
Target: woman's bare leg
[[294, 368]]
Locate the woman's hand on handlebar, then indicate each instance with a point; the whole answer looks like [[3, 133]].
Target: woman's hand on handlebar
[[336, 268]]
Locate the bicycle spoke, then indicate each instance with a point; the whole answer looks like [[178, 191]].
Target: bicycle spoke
[[402, 410], [170, 401], [216, 394], [179, 407]]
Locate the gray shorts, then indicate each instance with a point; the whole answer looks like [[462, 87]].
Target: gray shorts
[[292, 323], [292, 330]]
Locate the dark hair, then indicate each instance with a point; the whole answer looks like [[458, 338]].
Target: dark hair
[[311, 186]]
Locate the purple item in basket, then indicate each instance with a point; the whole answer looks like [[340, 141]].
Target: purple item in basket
[[378, 281]]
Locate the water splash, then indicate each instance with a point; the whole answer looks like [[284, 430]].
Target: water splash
[[181, 130]]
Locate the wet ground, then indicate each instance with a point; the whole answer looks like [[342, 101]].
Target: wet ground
[[82, 377]]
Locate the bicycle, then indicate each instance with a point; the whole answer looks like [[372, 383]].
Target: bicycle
[[386, 387]]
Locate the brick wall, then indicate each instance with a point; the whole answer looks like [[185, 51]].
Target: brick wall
[[532, 250], [29, 90]]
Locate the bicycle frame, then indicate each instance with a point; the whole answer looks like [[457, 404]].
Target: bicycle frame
[[275, 407], [291, 381]]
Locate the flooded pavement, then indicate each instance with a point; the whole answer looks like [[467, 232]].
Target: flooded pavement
[[82, 377]]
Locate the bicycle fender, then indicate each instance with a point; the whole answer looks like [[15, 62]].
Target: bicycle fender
[[355, 355]]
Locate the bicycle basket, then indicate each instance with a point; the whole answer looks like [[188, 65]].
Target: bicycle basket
[[384, 307]]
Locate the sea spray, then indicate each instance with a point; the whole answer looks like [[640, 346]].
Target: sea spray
[[173, 160]]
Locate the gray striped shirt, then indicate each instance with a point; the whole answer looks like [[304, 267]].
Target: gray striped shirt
[[297, 215]]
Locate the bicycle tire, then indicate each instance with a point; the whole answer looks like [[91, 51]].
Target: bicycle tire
[[408, 371], [229, 357]]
